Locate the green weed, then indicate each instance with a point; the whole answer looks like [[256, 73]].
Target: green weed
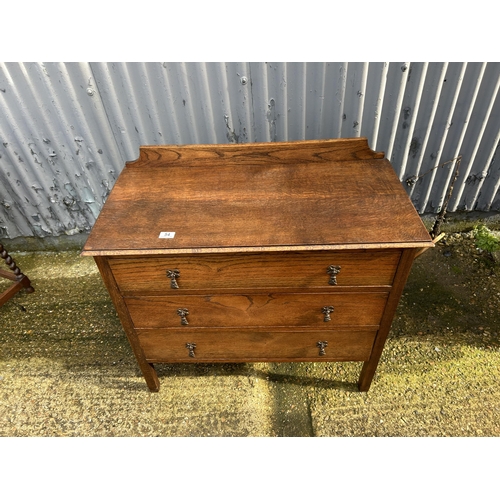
[[485, 239]]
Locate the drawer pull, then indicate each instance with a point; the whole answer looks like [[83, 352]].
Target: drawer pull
[[191, 346], [173, 274], [182, 312], [326, 311], [322, 344], [333, 271]]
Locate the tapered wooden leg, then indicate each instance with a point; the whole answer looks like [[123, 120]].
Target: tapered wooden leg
[[402, 272], [367, 373], [147, 369], [151, 377]]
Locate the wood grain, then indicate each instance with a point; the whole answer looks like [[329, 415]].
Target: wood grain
[[148, 275], [256, 227], [256, 205], [270, 309], [263, 153], [229, 345], [402, 273], [147, 369]]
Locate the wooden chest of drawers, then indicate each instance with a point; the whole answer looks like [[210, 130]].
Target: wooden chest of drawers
[[292, 251]]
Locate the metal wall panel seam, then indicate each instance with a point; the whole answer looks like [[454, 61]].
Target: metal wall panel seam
[[461, 187], [330, 104], [413, 121], [149, 71], [362, 94], [322, 130], [470, 109], [439, 94], [46, 72], [249, 106], [31, 176], [36, 181], [278, 107], [89, 126], [445, 132], [169, 132], [380, 105], [252, 136], [191, 120], [305, 101], [462, 135], [245, 93], [260, 90], [47, 212], [228, 114], [487, 170], [56, 219], [173, 120], [371, 105], [344, 67], [313, 105], [15, 203], [399, 103], [137, 98], [269, 106], [216, 125], [284, 103], [114, 112], [110, 93], [295, 106], [423, 147], [496, 188], [350, 123], [287, 107], [211, 121], [238, 89], [66, 106]]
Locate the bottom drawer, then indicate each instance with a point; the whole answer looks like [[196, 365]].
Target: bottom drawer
[[226, 345]]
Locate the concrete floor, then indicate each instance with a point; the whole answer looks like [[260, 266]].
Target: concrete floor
[[66, 368]]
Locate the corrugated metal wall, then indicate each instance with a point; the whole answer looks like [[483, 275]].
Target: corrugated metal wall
[[66, 129]]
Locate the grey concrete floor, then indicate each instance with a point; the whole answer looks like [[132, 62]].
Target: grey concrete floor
[[66, 368]]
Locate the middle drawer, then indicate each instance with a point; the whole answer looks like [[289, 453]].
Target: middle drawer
[[273, 309]]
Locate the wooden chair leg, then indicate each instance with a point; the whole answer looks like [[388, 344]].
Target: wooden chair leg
[[20, 280]]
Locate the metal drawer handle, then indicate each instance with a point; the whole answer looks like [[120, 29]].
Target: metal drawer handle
[[333, 271], [191, 346], [182, 312], [173, 274], [322, 344], [326, 311]]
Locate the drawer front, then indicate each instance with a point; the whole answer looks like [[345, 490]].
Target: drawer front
[[325, 311], [212, 345], [271, 270]]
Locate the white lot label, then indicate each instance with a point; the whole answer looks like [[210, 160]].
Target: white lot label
[[167, 234]]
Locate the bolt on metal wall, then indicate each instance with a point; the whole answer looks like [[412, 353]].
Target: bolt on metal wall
[[67, 129]]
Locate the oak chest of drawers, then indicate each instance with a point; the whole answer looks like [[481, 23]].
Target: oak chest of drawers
[[293, 251]]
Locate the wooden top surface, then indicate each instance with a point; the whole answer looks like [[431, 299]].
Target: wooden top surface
[[332, 194]]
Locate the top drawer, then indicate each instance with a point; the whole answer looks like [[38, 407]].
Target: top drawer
[[254, 270]]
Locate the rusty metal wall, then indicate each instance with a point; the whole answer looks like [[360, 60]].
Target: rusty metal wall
[[66, 129]]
